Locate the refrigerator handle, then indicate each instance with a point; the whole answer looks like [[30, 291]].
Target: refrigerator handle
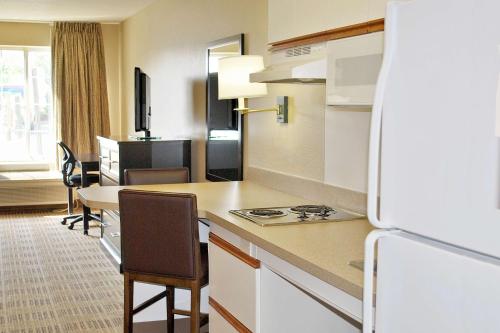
[[376, 120], [369, 273]]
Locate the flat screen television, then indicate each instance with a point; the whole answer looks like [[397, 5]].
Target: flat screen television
[[142, 84]]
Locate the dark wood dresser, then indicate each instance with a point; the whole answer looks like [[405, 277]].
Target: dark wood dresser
[[117, 154]]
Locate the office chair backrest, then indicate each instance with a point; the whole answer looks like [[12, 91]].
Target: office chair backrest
[[159, 233], [156, 176], [67, 164]]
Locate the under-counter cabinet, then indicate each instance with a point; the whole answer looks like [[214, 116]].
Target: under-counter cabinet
[[251, 290], [234, 287], [285, 307]]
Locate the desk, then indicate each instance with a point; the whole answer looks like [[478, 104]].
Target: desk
[[86, 162]]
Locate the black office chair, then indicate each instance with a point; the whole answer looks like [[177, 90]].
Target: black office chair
[[70, 181]]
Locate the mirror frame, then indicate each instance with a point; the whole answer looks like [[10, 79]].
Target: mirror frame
[[215, 44]]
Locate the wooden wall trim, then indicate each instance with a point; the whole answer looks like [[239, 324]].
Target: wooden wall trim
[[228, 316], [230, 248], [323, 36]]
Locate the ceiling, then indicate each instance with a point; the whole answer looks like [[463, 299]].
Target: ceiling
[[70, 10]]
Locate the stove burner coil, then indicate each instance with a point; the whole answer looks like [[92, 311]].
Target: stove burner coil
[[266, 213], [312, 209]]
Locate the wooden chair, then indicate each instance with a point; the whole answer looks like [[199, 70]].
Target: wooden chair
[[156, 176], [160, 244]]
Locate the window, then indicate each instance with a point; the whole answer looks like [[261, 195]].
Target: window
[[27, 131]]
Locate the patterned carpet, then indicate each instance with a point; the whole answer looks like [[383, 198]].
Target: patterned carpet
[[55, 280]]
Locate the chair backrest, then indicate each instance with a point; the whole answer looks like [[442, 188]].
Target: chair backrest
[[159, 234], [67, 163], [156, 176]]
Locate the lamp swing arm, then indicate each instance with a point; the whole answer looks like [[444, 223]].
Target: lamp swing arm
[[281, 108], [246, 110]]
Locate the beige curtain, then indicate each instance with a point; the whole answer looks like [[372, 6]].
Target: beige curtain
[[79, 77]]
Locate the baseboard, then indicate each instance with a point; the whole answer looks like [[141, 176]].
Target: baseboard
[[30, 208], [309, 189]]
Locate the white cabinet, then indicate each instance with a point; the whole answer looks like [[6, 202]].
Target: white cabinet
[[287, 308], [376, 9], [293, 18], [233, 284], [251, 290], [234, 279], [218, 324]]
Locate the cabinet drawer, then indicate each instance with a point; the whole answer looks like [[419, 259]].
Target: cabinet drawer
[[111, 232], [106, 181], [235, 292], [114, 163], [218, 324], [109, 157], [110, 169]]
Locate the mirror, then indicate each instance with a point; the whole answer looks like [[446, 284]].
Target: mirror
[[224, 147]]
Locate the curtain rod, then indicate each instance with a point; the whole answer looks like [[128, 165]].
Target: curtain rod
[[51, 23]]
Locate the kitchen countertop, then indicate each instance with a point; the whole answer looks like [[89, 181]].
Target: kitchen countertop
[[323, 250]]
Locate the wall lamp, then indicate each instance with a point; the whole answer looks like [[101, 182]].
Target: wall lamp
[[234, 82]]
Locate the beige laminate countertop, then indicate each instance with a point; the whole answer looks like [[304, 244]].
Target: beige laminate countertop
[[323, 250]]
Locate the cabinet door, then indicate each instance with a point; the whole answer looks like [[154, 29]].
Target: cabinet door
[[287, 308], [218, 324], [233, 284], [376, 9], [293, 18]]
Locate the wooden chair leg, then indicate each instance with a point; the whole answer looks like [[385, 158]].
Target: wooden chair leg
[[128, 304], [170, 309], [195, 308]]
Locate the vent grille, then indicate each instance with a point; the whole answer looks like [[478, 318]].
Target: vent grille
[[298, 51], [32, 194]]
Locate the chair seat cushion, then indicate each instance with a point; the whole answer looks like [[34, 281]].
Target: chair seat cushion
[[204, 263], [92, 178]]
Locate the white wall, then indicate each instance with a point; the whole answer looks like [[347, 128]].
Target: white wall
[[299, 147], [168, 41]]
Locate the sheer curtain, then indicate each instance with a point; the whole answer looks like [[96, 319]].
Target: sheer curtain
[[79, 79]]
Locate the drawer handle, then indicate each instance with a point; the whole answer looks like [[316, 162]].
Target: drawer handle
[[231, 249], [228, 316]]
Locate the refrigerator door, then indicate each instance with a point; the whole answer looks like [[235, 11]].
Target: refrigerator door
[[439, 154], [424, 286]]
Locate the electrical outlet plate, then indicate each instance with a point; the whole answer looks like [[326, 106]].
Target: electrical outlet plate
[[282, 116]]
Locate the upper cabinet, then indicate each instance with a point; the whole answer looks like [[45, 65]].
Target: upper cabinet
[[376, 9], [294, 18]]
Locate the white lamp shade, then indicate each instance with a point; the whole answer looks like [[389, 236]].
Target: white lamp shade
[[234, 77]]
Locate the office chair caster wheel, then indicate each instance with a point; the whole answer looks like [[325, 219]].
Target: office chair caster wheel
[[71, 226], [63, 222]]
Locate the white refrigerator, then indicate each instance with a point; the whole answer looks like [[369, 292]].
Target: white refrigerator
[[434, 171]]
